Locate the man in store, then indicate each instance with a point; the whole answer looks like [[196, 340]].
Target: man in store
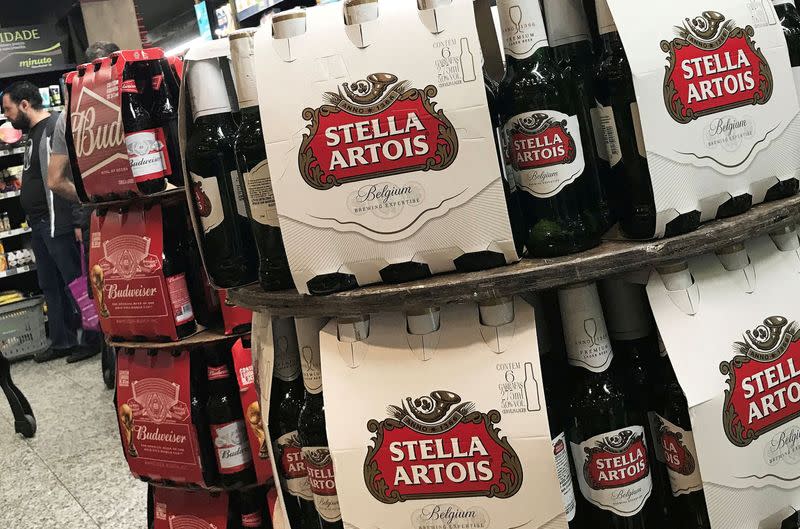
[[53, 221]]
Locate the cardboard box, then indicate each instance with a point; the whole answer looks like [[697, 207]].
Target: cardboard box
[[176, 509], [433, 444], [382, 158], [717, 100], [235, 319], [163, 437], [731, 329], [102, 146], [257, 432], [133, 298]]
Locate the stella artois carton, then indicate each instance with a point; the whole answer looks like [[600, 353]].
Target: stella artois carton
[[163, 437], [382, 152], [731, 325], [134, 299], [103, 148], [251, 408], [717, 101], [183, 509], [455, 430]]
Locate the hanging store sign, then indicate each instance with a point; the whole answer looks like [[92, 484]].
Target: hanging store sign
[[28, 49]]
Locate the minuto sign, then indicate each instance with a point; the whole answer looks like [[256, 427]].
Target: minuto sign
[[27, 49]]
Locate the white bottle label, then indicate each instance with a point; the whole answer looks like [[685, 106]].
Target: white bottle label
[[287, 357], [566, 20], [613, 470], [637, 127], [680, 456], [207, 201], [564, 474], [323, 482], [144, 155], [545, 150], [238, 194], [606, 135], [260, 196], [585, 332], [231, 446], [293, 466], [522, 26], [308, 342]]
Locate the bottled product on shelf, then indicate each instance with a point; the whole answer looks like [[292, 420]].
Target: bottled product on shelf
[[175, 264], [251, 157], [165, 116], [252, 508], [544, 140], [226, 238]]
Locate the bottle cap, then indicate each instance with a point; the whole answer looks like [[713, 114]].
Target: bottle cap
[[288, 24], [355, 329], [566, 22], [786, 238], [360, 11], [626, 309], [733, 257], [676, 276], [207, 89], [243, 62], [423, 321], [605, 20], [496, 312]]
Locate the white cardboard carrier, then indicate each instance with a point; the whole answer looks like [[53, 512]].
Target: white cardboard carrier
[[721, 332], [379, 140], [404, 410], [738, 142]]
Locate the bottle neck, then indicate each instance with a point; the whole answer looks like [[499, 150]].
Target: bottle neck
[[524, 36], [585, 333]]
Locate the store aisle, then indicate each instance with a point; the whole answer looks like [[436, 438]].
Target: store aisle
[[72, 474]]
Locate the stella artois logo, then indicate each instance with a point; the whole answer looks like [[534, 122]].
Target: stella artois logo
[[436, 447], [763, 381], [374, 128], [539, 141], [713, 66], [126, 256], [676, 454], [616, 461]]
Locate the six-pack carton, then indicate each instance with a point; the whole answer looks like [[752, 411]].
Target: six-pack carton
[[183, 509], [438, 419], [717, 101], [731, 325], [382, 157]]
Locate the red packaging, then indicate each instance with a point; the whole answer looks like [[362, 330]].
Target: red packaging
[[98, 134], [156, 421], [236, 319], [275, 510], [176, 64], [125, 269], [183, 509], [256, 433]]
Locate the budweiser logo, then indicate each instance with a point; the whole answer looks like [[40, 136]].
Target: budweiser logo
[[713, 66], [144, 434], [763, 381], [97, 127], [374, 128], [616, 461], [437, 446]]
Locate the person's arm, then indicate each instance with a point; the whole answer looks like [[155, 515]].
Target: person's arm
[[57, 177]]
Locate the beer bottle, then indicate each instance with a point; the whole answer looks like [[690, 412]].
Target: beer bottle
[[790, 21], [635, 345], [165, 115], [675, 437], [174, 265], [227, 240], [568, 30], [287, 398], [252, 507], [607, 440], [251, 157], [141, 134], [313, 436], [542, 134], [226, 421]]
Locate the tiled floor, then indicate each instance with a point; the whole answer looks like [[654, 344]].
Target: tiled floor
[[72, 474]]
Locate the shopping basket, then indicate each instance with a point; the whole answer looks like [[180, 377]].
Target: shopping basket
[[22, 330]]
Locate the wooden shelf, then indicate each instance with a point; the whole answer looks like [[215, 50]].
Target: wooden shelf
[[168, 195], [610, 258], [204, 337]]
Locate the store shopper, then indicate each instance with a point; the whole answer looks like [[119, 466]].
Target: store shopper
[[53, 221]]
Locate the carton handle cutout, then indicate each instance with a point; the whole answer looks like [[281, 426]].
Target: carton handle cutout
[[351, 330], [352, 353], [786, 240], [734, 258], [359, 21], [424, 321], [497, 323], [681, 287], [423, 346], [430, 14], [285, 27]]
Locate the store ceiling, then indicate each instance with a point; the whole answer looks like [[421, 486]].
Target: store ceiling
[[24, 12], [157, 12]]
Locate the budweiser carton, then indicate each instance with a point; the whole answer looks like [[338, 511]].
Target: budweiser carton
[[257, 432], [134, 298], [434, 446], [164, 436], [113, 161], [717, 101], [743, 390], [235, 319], [183, 509], [383, 164]]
